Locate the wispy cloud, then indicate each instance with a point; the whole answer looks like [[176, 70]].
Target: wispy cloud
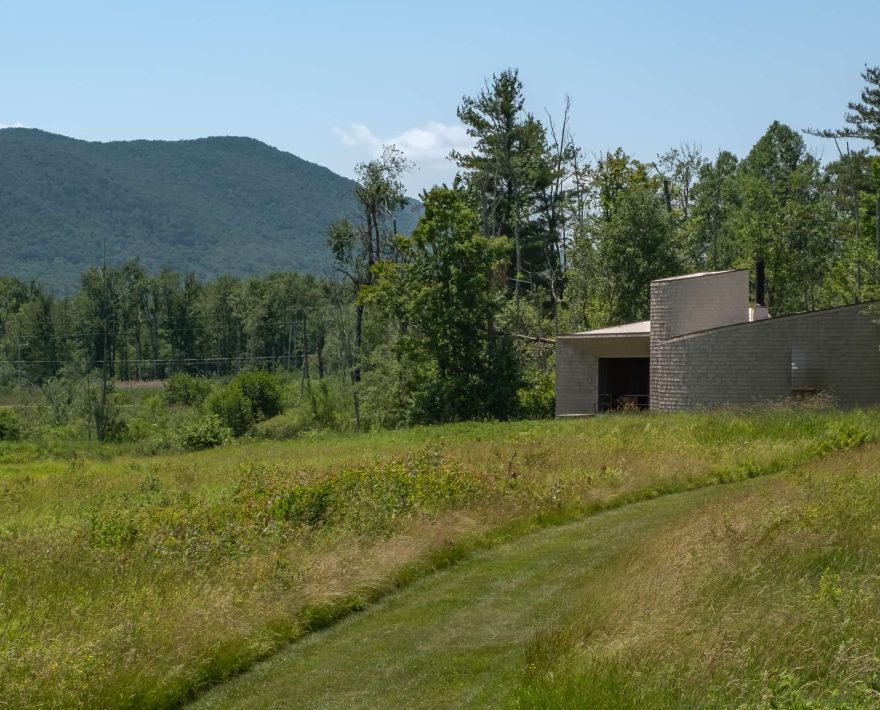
[[428, 146], [12, 125]]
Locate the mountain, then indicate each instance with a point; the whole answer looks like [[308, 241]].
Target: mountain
[[211, 206]]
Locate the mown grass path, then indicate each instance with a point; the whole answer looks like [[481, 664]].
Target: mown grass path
[[453, 639]]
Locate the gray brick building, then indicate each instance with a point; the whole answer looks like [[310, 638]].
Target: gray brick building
[[705, 346]]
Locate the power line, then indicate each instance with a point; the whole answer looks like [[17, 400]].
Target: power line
[[163, 330], [238, 358]]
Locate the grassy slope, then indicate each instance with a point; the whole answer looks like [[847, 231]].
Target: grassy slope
[[132, 581], [454, 639]]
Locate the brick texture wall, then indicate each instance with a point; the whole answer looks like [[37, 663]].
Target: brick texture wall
[[681, 306], [836, 350], [693, 303], [577, 377], [704, 353]]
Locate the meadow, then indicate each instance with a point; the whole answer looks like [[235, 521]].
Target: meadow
[[130, 580], [766, 598]]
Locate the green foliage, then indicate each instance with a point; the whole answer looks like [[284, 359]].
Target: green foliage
[[368, 499], [842, 437], [233, 408], [447, 291], [263, 390], [284, 426], [112, 530], [205, 433], [260, 209], [62, 399], [784, 217], [629, 242], [184, 389], [395, 376], [11, 427], [863, 117], [103, 407], [537, 398], [517, 178], [323, 407]]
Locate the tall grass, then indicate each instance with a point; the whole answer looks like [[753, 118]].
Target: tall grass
[[770, 600], [132, 582]]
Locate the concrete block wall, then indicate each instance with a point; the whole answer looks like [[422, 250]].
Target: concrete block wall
[[839, 350], [693, 303], [577, 377], [690, 304]]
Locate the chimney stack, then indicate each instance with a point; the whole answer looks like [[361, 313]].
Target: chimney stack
[[759, 282]]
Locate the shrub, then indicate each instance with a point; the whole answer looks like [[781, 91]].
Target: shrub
[[112, 530], [206, 433], [537, 400], [108, 415], [61, 399], [234, 409], [284, 426], [322, 406], [263, 390], [10, 425], [186, 390]]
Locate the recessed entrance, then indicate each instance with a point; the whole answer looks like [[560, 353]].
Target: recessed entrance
[[624, 383]]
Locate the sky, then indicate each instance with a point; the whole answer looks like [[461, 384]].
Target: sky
[[333, 80]]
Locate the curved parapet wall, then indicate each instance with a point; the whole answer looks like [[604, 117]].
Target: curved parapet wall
[[696, 302]]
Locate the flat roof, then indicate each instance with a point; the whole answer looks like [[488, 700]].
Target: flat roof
[[698, 275], [642, 327]]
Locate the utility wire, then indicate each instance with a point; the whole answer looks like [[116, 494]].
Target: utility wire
[[244, 358]]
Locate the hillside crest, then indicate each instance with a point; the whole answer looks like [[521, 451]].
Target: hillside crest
[[217, 205]]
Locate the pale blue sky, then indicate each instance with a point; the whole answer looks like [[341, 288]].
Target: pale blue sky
[[330, 81]]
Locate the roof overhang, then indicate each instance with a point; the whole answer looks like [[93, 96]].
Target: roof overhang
[[629, 340]]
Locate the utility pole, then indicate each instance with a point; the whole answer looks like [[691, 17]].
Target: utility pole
[[20, 365], [102, 421], [305, 354]]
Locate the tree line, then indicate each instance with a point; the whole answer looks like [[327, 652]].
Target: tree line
[[533, 238], [144, 327]]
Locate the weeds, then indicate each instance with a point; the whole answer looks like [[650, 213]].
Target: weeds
[[770, 601], [129, 581]]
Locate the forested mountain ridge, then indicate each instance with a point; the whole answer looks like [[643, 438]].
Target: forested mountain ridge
[[210, 206]]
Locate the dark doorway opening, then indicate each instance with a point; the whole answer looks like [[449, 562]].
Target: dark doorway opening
[[624, 383]]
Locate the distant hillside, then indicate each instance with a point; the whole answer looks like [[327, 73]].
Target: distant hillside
[[211, 206]]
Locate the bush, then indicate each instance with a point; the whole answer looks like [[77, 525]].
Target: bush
[[61, 399], [11, 427], [537, 400], [284, 426], [263, 390], [322, 407], [186, 390], [206, 433], [108, 415], [234, 409]]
